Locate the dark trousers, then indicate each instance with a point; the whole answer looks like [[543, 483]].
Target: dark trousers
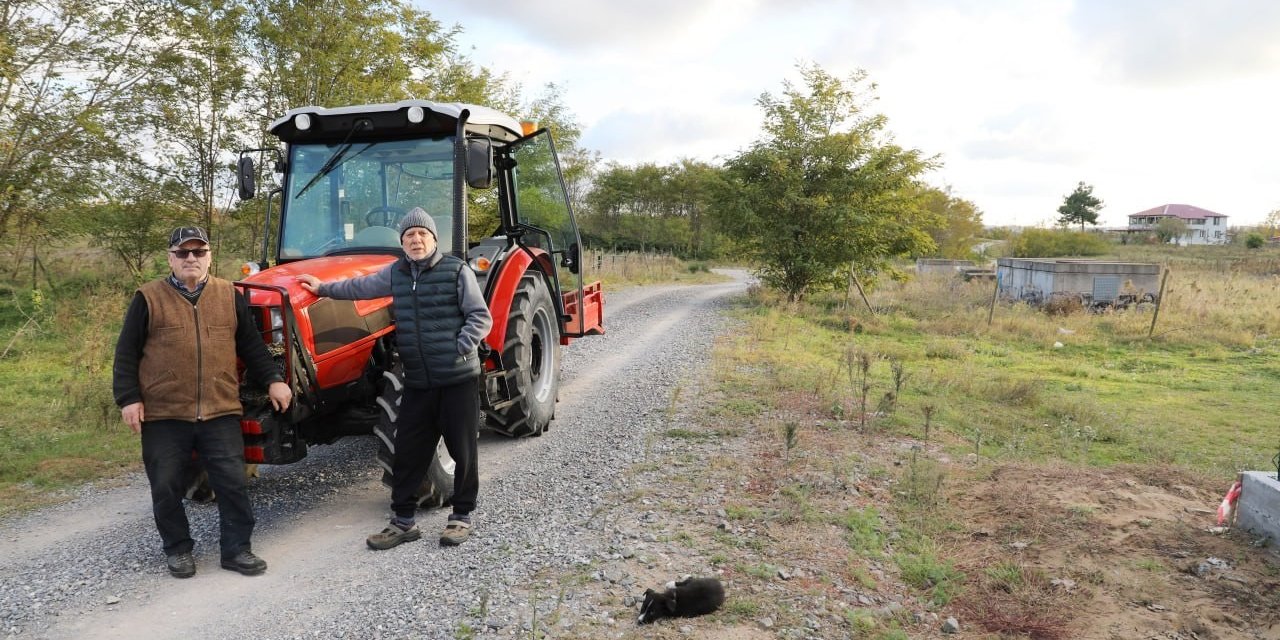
[[425, 416], [166, 453]]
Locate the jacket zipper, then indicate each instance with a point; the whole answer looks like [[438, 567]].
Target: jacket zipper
[[416, 320], [199, 364]]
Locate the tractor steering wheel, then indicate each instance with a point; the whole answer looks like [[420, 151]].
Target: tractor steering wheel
[[384, 216]]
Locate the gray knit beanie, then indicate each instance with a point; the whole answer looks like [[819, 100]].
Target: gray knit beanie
[[418, 218]]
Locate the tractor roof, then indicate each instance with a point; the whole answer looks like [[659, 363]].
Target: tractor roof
[[391, 120]]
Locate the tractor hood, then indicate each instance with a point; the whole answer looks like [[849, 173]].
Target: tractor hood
[[327, 269]]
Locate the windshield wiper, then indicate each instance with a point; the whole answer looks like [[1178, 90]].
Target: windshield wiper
[[335, 159]]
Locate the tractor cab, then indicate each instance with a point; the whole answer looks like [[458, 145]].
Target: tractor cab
[[491, 184]]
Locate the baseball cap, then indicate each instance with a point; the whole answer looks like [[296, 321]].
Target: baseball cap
[[184, 234]]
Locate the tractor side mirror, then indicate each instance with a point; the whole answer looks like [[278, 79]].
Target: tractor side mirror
[[571, 258], [479, 163], [244, 178]]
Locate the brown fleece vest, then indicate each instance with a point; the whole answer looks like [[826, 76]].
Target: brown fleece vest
[[188, 366]]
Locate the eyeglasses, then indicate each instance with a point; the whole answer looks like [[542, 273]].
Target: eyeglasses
[[184, 253]]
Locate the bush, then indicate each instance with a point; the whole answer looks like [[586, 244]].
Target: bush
[[1254, 240], [1048, 243]]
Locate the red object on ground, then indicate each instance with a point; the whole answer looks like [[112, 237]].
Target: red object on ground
[[1227, 509]]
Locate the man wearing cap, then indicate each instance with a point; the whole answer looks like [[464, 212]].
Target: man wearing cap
[[175, 382], [441, 319]]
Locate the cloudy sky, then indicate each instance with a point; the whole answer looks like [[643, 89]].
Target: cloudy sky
[[1149, 101]]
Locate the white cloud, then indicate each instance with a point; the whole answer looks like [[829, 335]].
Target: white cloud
[[1151, 101]]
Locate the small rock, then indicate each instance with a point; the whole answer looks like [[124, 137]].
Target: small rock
[[113, 600], [686, 629], [1063, 583], [951, 626], [784, 574], [1212, 564], [766, 623], [628, 601], [1019, 546], [1056, 345]]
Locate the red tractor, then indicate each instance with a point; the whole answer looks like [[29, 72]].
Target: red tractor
[[349, 175]]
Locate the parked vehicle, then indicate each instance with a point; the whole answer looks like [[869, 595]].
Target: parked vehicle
[[347, 177]]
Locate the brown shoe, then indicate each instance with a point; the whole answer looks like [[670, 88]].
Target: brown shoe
[[455, 533], [392, 536]]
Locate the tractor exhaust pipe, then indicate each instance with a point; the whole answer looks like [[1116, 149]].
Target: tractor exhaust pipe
[[460, 186]]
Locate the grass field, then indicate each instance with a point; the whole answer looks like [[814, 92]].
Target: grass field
[[1090, 388], [1044, 476]]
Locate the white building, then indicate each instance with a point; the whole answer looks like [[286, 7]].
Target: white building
[[1203, 226]]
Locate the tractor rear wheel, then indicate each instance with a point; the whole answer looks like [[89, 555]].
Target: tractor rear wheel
[[437, 486], [531, 361]]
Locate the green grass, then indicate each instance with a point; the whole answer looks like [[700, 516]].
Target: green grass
[[923, 569], [864, 528], [60, 427], [1109, 396]]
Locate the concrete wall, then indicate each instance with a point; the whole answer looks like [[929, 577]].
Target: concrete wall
[[1258, 509], [1038, 280], [938, 266]]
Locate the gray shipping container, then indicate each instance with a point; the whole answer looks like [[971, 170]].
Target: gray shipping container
[[1039, 280]]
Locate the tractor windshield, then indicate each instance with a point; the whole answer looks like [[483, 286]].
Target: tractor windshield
[[350, 197]]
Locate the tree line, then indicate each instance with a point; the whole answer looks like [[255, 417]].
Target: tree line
[[120, 117]]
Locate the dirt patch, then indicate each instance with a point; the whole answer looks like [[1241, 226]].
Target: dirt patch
[[835, 532]]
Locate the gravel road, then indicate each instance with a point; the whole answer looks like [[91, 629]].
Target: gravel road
[[92, 568]]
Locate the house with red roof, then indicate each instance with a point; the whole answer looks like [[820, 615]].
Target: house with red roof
[[1203, 225]]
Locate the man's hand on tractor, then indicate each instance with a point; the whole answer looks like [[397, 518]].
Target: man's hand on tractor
[[281, 395], [309, 282], [133, 416]]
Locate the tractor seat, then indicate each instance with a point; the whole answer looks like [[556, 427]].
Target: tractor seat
[[376, 237]]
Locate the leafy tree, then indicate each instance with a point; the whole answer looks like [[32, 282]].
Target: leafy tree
[[824, 190], [651, 206], [960, 222], [1271, 224], [194, 107], [67, 81], [1170, 229], [1080, 206], [331, 53]]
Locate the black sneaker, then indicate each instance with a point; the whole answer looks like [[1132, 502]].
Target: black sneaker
[[181, 565], [246, 563], [392, 536]]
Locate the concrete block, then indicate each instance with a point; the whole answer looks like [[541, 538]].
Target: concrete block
[[1258, 509]]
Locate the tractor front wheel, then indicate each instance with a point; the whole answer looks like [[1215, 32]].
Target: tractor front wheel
[[437, 487], [531, 361]]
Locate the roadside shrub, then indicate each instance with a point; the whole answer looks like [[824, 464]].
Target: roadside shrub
[[1254, 240], [1063, 305], [1050, 243]]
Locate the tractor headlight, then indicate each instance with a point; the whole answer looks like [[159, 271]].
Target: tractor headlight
[[277, 325], [416, 115], [302, 121]]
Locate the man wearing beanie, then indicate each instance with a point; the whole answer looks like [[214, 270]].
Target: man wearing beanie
[[441, 318]]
